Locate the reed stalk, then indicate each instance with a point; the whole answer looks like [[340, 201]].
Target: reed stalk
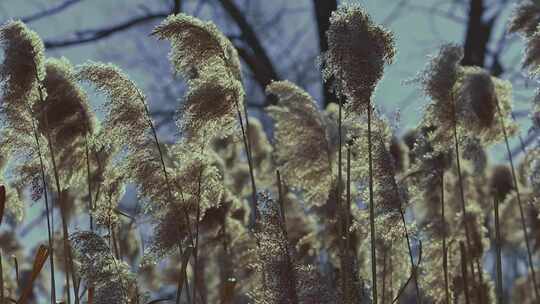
[[444, 248], [372, 209], [498, 264], [520, 204], [464, 271]]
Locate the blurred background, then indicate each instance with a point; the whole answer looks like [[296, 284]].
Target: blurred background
[[279, 40]]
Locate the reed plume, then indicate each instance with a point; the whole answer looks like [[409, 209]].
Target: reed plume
[[111, 279], [303, 149], [210, 65]]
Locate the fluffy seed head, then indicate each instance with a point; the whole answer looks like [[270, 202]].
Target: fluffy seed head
[[501, 182], [210, 64], [531, 55], [195, 43], [438, 79], [23, 62], [302, 147], [525, 18], [96, 264], [358, 49], [125, 122]]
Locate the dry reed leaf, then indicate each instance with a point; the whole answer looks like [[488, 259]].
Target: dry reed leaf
[[40, 259], [90, 295]]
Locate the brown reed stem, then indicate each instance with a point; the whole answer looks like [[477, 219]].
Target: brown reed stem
[[413, 267], [169, 191], [17, 277], [50, 218], [340, 224], [498, 251], [462, 192], [245, 137], [182, 276], [2, 297], [196, 248], [372, 210], [65, 233], [444, 249], [280, 201], [464, 271], [89, 182], [518, 196], [383, 295], [67, 252], [347, 216]]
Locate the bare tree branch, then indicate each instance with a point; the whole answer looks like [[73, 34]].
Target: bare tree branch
[[259, 62], [50, 11], [91, 35], [177, 6], [478, 34]]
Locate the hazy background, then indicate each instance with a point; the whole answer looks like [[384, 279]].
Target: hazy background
[[288, 35], [278, 39]]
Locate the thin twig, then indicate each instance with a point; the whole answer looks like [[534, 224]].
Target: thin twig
[[518, 196]]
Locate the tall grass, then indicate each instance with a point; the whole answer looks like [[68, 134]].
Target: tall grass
[[329, 211]]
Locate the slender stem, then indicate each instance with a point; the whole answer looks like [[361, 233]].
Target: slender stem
[[114, 241], [2, 301], [89, 180], [67, 252], [196, 248], [413, 267], [348, 206], [281, 199], [372, 210], [245, 137], [17, 277], [464, 271], [292, 296], [163, 167], [383, 295], [182, 277], [347, 222], [47, 211], [518, 196], [340, 223], [169, 192], [444, 249], [498, 251], [462, 193]]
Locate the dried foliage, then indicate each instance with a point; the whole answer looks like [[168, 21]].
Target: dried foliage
[[303, 147], [358, 49]]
